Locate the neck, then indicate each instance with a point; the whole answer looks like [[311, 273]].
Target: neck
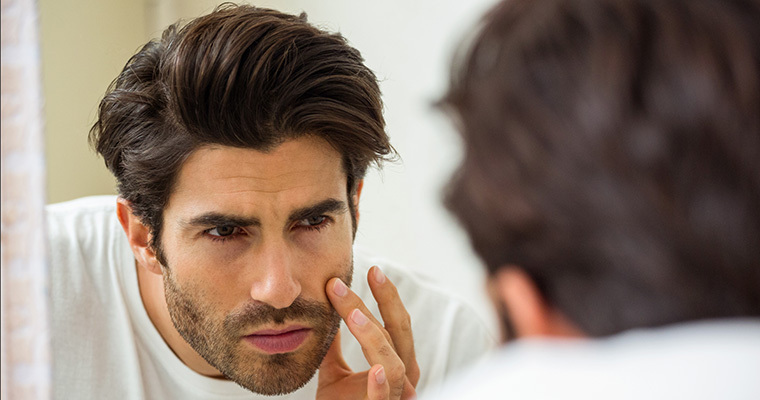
[[154, 300]]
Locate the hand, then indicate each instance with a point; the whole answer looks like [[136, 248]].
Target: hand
[[389, 349]]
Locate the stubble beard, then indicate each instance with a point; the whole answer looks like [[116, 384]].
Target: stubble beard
[[220, 343]]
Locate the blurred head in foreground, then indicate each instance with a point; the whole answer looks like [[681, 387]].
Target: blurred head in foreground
[[611, 176]]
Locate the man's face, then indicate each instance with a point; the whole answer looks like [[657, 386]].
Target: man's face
[[250, 240]]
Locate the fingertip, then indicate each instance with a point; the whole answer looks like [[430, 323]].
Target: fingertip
[[380, 375], [378, 387], [378, 275], [338, 287], [358, 317], [329, 284]]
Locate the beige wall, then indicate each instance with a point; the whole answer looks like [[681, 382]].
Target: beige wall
[[84, 46]]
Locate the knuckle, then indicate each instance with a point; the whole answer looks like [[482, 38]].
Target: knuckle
[[385, 350], [378, 340], [406, 322], [394, 294], [356, 302], [396, 372], [403, 324]]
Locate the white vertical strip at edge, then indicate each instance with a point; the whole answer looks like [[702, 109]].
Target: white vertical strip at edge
[[26, 372]]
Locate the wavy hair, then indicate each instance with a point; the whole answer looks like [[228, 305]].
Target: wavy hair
[[240, 76]]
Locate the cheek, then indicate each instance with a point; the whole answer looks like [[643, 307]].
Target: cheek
[[326, 253], [205, 276], [316, 272], [204, 260]]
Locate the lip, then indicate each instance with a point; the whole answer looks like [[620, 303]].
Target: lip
[[274, 341]]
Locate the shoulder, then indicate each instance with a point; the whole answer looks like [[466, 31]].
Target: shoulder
[[80, 215], [704, 360], [448, 333], [83, 206], [414, 289], [83, 233]]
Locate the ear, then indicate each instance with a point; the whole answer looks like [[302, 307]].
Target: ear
[[357, 196], [138, 236], [526, 307]]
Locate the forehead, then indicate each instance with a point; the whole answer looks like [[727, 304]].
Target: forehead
[[292, 174]]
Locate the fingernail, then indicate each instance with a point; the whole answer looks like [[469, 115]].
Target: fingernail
[[340, 288], [358, 317], [380, 376], [379, 275]]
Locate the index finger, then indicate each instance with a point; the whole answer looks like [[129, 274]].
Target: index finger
[[397, 321], [377, 350], [344, 300]]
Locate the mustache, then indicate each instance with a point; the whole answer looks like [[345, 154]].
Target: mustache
[[254, 314]]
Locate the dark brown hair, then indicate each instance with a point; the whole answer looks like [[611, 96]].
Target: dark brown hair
[[244, 77], [612, 151]]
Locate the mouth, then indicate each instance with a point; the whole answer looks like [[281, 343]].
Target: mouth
[[274, 341]]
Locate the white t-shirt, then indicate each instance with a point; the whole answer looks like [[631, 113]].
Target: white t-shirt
[[106, 347], [701, 360]]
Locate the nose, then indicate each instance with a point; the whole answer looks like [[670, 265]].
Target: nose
[[275, 278]]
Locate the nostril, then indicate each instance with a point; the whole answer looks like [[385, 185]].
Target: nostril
[[276, 290]]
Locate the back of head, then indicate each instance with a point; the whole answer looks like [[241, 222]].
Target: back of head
[[241, 76], [613, 153]]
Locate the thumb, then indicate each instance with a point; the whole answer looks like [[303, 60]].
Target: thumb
[[378, 387], [333, 366]]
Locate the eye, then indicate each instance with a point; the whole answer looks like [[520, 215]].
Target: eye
[[223, 230], [313, 222], [316, 220]]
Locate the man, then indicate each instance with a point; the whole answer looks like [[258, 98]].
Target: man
[[611, 185], [239, 142]]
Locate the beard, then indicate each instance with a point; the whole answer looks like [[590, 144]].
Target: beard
[[219, 340]]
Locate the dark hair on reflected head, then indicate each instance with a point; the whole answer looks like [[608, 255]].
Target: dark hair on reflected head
[[612, 151], [240, 76]]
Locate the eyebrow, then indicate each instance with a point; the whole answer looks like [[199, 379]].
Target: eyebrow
[[219, 219], [323, 207]]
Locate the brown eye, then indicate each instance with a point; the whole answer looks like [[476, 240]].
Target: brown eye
[[223, 230], [311, 221]]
